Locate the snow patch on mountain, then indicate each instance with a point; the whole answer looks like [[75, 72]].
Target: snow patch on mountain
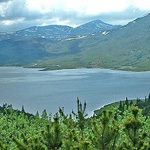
[[105, 33], [60, 32], [79, 37]]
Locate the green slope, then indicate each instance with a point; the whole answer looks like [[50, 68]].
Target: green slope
[[124, 48]]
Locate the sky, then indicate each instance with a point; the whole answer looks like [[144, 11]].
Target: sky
[[20, 14]]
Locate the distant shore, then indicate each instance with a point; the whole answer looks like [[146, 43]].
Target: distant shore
[[119, 68], [57, 67]]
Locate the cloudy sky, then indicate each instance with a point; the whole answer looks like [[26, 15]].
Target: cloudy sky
[[19, 14]]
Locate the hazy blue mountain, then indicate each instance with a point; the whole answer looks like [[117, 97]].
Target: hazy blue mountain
[[93, 27], [51, 32], [20, 52], [58, 32]]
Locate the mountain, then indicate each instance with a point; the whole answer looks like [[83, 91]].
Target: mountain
[[49, 32], [20, 52], [124, 47], [58, 32], [93, 27]]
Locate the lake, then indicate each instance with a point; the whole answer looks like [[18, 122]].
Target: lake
[[39, 90]]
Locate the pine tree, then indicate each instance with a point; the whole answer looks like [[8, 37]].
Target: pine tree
[[120, 106], [23, 110], [44, 115], [127, 103], [105, 132], [80, 115], [37, 116], [131, 103], [132, 129], [52, 137], [3, 147], [33, 143], [145, 99], [149, 97]]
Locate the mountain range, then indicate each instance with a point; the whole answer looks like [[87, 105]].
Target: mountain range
[[58, 32], [92, 45]]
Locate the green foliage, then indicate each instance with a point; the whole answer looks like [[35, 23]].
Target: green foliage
[[130, 52], [3, 147], [132, 129], [144, 105], [105, 132], [115, 129], [80, 116], [33, 143], [52, 135]]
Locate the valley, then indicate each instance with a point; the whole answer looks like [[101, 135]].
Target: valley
[[102, 46]]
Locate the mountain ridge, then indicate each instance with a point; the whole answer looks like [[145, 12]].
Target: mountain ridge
[[59, 32], [126, 47]]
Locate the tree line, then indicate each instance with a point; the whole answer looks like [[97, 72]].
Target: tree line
[[125, 127]]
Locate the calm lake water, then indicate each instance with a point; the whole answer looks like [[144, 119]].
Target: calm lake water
[[39, 90]]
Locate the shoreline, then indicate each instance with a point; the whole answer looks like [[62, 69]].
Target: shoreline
[[115, 69], [88, 69], [48, 69]]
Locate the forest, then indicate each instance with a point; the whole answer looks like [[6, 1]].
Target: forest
[[124, 125]]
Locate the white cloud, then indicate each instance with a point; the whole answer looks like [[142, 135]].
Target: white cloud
[[3, 8], [69, 12], [142, 4], [43, 6], [105, 6], [86, 7], [8, 22], [11, 22]]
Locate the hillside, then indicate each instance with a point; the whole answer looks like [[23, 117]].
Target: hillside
[[124, 47]]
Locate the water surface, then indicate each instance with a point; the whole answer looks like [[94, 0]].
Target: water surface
[[39, 90]]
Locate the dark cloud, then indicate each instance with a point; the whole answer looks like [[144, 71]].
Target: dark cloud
[[17, 9], [4, 1]]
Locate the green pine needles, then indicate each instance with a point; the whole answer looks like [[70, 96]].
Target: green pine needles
[[123, 127]]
